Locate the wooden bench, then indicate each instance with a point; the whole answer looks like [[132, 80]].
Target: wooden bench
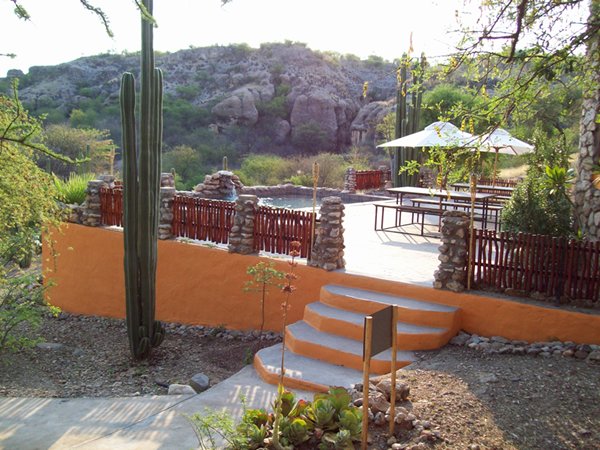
[[398, 210], [444, 205]]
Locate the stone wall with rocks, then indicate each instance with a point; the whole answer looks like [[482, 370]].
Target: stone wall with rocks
[[350, 180], [452, 271], [241, 236], [328, 248], [90, 210], [223, 185], [501, 345], [291, 190]]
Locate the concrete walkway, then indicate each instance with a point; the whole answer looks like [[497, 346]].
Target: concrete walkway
[[159, 422], [148, 423]]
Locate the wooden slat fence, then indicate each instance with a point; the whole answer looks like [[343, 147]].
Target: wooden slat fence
[[556, 267], [211, 220], [371, 179], [111, 206], [503, 182], [202, 219], [276, 228]]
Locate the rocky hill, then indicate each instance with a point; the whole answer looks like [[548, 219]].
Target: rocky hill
[[293, 98]]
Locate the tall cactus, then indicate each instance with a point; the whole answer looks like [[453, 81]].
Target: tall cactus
[[407, 115], [141, 185]]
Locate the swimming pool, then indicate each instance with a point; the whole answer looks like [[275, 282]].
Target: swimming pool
[[291, 202]]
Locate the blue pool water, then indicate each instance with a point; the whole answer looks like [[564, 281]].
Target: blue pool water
[[289, 202]]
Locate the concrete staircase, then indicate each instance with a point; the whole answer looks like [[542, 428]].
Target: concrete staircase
[[325, 349]]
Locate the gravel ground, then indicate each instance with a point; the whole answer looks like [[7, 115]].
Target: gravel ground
[[89, 357], [470, 399]]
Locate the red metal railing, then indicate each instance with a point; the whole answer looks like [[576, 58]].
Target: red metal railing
[[276, 228], [203, 219], [556, 267], [111, 206], [371, 179]]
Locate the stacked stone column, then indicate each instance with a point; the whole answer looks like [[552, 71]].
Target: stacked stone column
[[350, 180], [91, 213], [328, 248], [452, 271], [241, 236]]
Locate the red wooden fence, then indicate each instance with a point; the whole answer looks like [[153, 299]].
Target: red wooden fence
[[555, 267], [371, 179], [111, 206], [276, 228], [202, 219]]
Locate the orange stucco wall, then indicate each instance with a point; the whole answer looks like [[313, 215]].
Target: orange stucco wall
[[202, 285]]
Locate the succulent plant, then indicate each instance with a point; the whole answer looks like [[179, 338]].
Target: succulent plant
[[141, 191]]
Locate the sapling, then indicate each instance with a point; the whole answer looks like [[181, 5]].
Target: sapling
[[287, 289], [264, 276]]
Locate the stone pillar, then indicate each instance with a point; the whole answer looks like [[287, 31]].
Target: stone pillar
[[165, 224], [350, 180], [167, 180], [328, 248], [452, 271], [91, 215], [241, 236]]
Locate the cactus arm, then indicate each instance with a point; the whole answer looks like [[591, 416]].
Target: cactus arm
[[131, 261]]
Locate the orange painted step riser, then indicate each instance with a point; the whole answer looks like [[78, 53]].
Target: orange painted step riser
[[332, 356], [428, 318], [289, 383], [353, 331]]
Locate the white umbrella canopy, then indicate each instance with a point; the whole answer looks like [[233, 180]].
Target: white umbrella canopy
[[501, 141], [438, 134]]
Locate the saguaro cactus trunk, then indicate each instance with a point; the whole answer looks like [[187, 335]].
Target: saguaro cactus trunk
[[141, 185]]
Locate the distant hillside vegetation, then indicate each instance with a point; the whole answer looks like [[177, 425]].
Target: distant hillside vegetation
[[281, 98]]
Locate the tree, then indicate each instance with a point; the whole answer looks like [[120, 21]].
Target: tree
[[78, 143], [530, 45], [26, 206]]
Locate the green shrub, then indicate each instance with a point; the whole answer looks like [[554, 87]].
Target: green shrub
[[533, 209], [21, 303], [264, 170], [73, 189]]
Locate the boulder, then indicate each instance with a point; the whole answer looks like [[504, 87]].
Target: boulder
[[200, 382], [316, 108], [239, 108], [181, 389]]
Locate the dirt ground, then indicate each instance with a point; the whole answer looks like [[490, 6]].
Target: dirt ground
[[470, 399]]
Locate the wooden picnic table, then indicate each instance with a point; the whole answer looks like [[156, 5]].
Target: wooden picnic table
[[439, 201], [486, 188]]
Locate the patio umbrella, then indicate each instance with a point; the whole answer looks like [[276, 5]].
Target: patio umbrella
[[438, 134], [501, 141]]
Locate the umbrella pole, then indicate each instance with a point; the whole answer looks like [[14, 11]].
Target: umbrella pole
[[472, 185], [495, 164]]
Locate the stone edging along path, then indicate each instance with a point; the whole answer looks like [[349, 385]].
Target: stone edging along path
[[501, 345]]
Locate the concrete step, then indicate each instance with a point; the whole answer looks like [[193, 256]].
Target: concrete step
[[302, 372], [303, 339], [410, 311], [350, 324]]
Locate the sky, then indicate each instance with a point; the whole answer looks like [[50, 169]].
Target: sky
[[62, 30]]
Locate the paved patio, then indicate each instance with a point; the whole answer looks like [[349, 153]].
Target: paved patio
[[382, 254]]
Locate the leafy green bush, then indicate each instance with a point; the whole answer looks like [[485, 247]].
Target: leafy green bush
[[21, 302], [73, 189], [264, 170], [534, 209]]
